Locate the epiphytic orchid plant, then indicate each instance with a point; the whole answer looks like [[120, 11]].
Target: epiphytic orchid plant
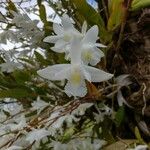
[[82, 50], [54, 91]]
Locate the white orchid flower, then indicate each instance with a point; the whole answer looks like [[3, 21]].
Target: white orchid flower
[[75, 73], [37, 135], [90, 53], [64, 34]]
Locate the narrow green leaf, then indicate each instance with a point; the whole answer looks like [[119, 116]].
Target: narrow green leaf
[[106, 126], [11, 6], [116, 11], [40, 58], [42, 12], [119, 117], [67, 135], [92, 17], [138, 136], [138, 4], [15, 93]]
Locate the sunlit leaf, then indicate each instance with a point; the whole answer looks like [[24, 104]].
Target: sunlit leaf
[[67, 135], [93, 19], [138, 136], [138, 4], [116, 11]]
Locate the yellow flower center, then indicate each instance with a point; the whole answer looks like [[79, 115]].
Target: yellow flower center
[[87, 55], [66, 38], [75, 77]]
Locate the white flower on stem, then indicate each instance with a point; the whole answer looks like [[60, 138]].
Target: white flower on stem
[[81, 109], [12, 107], [19, 124], [122, 80], [37, 135], [39, 105], [64, 34], [76, 73], [91, 54]]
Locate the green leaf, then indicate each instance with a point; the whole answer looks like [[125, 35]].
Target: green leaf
[[119, 117], [138, 136], [21, 76], [39, 2], [116, 11], [67, 135], [11, 6], [106, 127], [91, 16], [15, 93], [40, 58], [42, 12], [85, 9], [138, 4]]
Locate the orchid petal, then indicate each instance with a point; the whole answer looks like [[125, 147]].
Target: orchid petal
[[55, 72], [87, 75], [92, 56], [66, 22], [57, 28], [92, 35], [98, 75], [59, 46], [101, 53], [121, 99], [52, 39], [100, 45], [75, 52], [76, 90]]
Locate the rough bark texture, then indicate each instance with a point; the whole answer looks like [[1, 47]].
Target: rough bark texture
[[134, 58]]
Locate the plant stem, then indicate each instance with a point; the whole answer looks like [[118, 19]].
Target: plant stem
[[124, 20]]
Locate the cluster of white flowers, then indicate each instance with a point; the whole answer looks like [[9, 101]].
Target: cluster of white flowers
[[80, 144], [18, 131], [10, 64], [81, 50], [27, 33], [26, 29]]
